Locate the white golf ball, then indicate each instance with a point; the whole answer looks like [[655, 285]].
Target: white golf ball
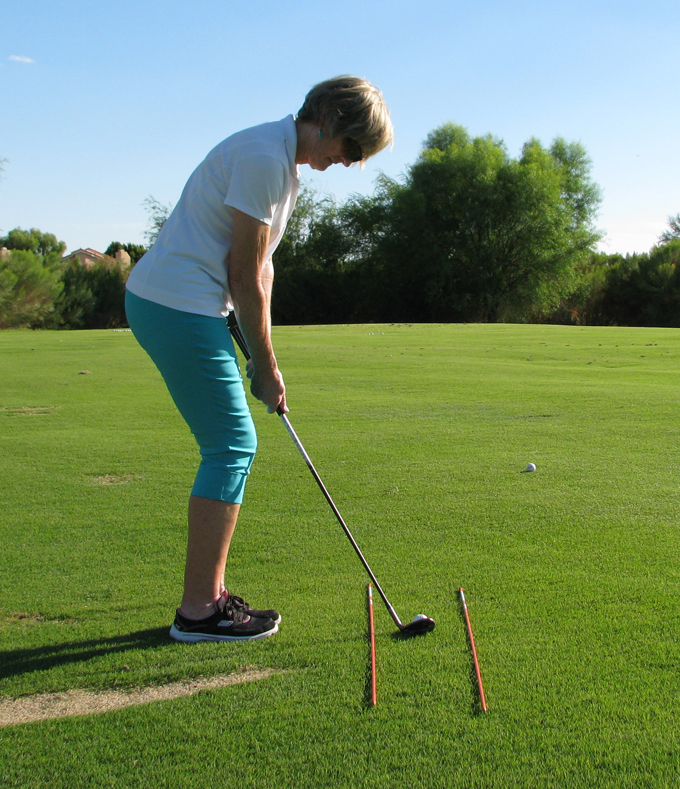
[[530, 467], [418, 617]]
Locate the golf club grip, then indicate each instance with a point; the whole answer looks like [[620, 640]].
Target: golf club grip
[[235, 331], [237, 334]]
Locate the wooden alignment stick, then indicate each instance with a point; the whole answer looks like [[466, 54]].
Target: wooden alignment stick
[[374, 698], [474, 650]]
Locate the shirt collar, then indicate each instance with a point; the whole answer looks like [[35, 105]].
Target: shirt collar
[[290, 132]]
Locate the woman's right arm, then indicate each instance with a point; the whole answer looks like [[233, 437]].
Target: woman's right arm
[[251, 277]]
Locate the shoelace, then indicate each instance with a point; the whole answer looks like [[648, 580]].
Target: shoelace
[[235, 602], [226, 608]]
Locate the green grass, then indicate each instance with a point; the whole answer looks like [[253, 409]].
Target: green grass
[[572, 573]]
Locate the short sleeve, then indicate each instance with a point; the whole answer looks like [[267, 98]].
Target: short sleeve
[[257, 185]]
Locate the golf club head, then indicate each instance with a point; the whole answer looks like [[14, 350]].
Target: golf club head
[[419, 624]]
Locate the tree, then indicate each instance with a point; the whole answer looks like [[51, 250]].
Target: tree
[[631, 290], [158, 214], [446, 135], [312, 263], [673, 232], [473, 234], [92, 298], [579, 193], [29, 286], [29, 278], [35, 241], [587, 302], [135, 251]]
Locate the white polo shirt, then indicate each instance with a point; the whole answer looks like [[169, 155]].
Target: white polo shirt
[[254, 171]]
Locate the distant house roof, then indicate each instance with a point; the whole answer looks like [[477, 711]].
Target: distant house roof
[[90, 257]]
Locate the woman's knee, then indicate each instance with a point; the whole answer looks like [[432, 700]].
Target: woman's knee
[[222, 476]]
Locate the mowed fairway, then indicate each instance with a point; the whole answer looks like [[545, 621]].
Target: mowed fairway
[[571, 573]]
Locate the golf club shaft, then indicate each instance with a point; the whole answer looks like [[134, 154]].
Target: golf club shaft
[[337, 514], [474, 650], [374, 695], [236, 333]]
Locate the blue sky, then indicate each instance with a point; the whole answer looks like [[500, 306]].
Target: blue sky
[[105, 103]]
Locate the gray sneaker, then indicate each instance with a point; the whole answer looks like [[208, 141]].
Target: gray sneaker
[[228, 623]]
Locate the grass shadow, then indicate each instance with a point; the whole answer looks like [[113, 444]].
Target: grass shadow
[[16, 662], [368, 683], [368, 686], [407, 635]]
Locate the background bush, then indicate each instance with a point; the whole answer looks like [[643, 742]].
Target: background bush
[[469, 234]]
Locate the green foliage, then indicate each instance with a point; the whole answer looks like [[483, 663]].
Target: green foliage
[[92, 298], [37, 290], [473, 234], [445, 136], [29, 286], [580, 194], [584, 305], [470, 234], [135, 251], [158, 214], [673, 232], [313, 265], [34, 240], [644, 290], [632, 290]]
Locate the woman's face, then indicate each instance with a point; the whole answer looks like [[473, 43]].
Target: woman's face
[[326, 152]]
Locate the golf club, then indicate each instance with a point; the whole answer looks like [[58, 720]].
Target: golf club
[[420, 623]]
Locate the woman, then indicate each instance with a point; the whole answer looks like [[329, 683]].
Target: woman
[[214, 253]]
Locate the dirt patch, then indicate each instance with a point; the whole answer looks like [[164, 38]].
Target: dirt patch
[[114, 479], [32, 617], [21, 615], [28, 410], [30, 709]]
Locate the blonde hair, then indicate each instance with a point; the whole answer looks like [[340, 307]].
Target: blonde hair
[[349, 106]]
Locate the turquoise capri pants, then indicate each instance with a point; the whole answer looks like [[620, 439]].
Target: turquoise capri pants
[[195, 355]]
